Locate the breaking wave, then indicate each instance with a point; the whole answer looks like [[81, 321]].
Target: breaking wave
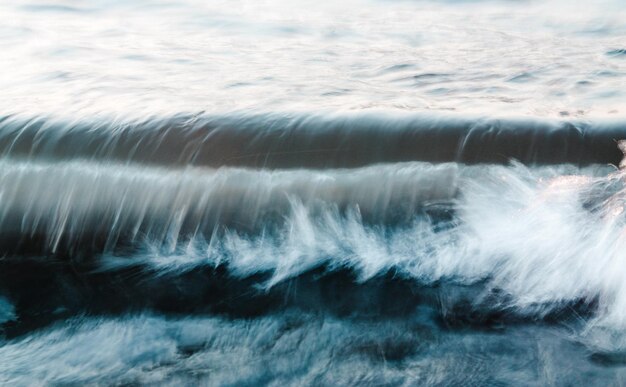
[[179, 258], [535, 239]]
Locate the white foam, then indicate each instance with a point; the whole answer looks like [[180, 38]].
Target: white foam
[[545, 238]]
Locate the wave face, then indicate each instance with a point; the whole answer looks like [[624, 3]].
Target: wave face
[[313, 140]]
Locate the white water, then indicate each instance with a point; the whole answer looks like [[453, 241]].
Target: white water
[[546, 237]]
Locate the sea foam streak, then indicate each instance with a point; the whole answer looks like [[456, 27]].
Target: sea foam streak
[[289, 348]]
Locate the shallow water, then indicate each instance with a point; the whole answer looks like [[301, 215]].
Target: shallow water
[[551, 58], [335, 193]]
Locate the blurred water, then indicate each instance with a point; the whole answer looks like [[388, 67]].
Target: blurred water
[[137, 58], [358, 192]]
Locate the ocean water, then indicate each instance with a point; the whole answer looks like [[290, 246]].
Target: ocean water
[[362, 192]]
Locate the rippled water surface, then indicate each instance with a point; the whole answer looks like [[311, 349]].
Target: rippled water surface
[[281, 193], [541, 58]]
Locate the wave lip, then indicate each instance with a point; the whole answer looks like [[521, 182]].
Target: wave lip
[[313, 141]]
